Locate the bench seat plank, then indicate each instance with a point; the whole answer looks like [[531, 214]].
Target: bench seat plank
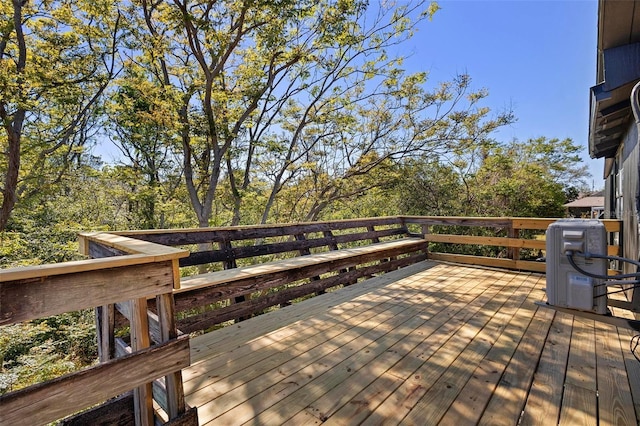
[[238, 274]]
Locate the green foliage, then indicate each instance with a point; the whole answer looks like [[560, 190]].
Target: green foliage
[[37, 247], [530, 179], [47, 348], [519, 179], [430, 188], [56, 60], [525, 179]]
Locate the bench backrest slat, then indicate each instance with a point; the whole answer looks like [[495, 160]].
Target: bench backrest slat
[[284, 240]]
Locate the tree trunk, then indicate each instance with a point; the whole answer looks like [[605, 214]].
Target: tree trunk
[[9, 197], [13, 124]]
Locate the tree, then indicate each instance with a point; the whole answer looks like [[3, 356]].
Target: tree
[[144, 126], [56, 60], [531, 179], [430, 188], [245, 71]]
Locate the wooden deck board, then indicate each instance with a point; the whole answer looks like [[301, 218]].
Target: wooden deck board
[[307, 374], [616, 405], [477, 337], [329, 403], [428, 344], [545, 396]]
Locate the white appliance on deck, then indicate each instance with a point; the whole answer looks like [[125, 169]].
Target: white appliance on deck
[[566, 286]]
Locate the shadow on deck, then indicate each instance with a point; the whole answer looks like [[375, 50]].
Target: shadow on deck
[[428, 344]]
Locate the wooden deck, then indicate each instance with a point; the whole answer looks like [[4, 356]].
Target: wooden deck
[[428, 344]]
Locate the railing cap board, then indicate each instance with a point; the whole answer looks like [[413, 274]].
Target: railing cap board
[[24, 300], [339, 224], [498, 222], [43, 271], [142, 252], [611, 225], [135, 246]]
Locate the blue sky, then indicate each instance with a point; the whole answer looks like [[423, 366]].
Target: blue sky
[[537, 57]]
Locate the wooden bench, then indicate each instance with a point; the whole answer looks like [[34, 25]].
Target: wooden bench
[[264, 266], [235, 283]]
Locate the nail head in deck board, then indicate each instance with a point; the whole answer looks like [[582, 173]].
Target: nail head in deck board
[[63, 396], [64, 293]]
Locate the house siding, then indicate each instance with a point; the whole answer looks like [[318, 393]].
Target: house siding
[[621, 192]]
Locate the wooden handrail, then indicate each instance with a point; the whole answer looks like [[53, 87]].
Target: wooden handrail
[[135, 271], [513, 241], [137, 252]]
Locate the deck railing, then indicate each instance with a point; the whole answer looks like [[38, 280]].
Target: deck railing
[[511, 234], [134, 270], [140, 271], [327, 254]]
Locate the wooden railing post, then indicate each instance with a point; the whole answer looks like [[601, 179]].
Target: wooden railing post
[[426, 230], [372, 229], [140, 339], [168, 331], [513, 253], [230, 263], [304, 252], [105, 325], [334, 246]]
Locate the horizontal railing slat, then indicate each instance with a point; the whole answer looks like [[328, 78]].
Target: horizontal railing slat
[[486, 241], [249, 232], [52, 400], [243, 252], [27, 299], [493, 262], [498, 242]]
